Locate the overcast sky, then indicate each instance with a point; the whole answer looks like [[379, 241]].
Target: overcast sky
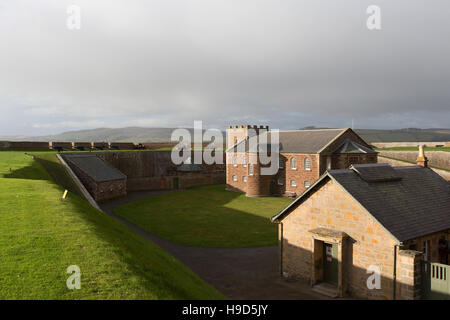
[[284, 63]]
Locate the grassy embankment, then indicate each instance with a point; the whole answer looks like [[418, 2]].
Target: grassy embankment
[[41, 235]]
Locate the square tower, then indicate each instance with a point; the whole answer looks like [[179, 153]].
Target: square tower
[[238, 133]]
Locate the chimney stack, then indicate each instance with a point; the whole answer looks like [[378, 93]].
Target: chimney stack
[[421, 159]]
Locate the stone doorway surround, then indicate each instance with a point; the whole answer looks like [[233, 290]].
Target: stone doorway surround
[[319, 237]]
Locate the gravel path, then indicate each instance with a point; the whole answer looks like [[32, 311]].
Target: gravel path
[[238, 273]]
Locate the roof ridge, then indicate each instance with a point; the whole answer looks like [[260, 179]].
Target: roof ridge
[[295, 130]]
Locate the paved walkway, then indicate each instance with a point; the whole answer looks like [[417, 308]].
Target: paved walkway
[[238, 273]]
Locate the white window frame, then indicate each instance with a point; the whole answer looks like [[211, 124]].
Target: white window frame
[[244, 161], [293, 183], [307, 184], [293, 160], [244, 178], [307, 163], [234, 178], [234, 161], [280, 182], [250, 169]]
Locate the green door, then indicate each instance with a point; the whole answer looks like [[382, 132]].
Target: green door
[[175, 183], [330, 263]]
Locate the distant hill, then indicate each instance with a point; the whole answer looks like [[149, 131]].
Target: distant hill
[[129, 134], [400, 135], [404, 135], [139, 134]]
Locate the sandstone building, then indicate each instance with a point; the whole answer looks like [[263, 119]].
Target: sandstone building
[[370, 217], [304, 155]]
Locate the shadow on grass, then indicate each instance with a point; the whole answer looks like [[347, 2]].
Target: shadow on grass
[[31, 172]]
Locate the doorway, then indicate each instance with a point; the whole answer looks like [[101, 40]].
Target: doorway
[[330, 263]]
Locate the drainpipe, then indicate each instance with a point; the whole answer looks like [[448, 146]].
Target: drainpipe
[[281, 248], [394, 288]]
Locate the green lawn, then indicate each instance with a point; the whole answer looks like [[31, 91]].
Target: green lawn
[[207, 216], [40, 236]]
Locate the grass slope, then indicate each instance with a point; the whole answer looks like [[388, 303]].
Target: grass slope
[[207, 216], [40, 236]]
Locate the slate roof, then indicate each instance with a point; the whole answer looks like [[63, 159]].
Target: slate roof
[[409, 202], [350, 146], [95, 167], [295, 141]]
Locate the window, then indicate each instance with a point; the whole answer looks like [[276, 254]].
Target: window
[[244, 161], [234, 161], [234, 178], [308, 164], [250, 169], [281, 165], [280, 182], [244, 178], [293, 183], [293, 163], [120, 186], [307, 184]]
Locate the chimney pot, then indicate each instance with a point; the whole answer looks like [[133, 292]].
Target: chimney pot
[[421, 159]]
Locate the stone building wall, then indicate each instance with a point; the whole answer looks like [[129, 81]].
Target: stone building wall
[[369, 244], [300, 175]]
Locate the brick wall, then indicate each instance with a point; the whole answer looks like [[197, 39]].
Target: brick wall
[[100, 191], [24, 145], [154, 170], [110, 189], [300, 175]]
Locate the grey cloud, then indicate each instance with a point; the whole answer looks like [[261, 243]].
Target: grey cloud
[[169, 62]]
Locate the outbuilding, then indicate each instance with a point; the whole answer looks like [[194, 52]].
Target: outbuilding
[[370, 219]]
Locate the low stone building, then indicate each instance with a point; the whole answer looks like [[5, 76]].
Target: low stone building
[[365, 219], [304, 155], [102, 181]]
